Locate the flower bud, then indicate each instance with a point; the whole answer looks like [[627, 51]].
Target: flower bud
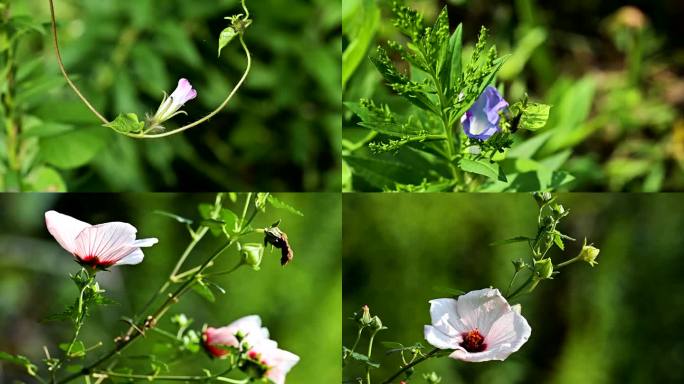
[[376, 323], [363, 318], [518, 264], [432, 378], [589, 253], [251, 254], [543, 269]]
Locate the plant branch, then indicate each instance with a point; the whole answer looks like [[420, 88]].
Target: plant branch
[[411, 365]]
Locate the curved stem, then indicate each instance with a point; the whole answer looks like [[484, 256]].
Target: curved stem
[[64, 72], [370, 351], [211, 114], [411, 365]]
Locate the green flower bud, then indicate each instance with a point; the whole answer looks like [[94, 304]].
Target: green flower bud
[[432, 378], [252, 253], [519, 264], [589, 253], [543, 269], [376, 323]]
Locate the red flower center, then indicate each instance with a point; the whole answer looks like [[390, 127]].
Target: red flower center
[[473, 341], [93, 262]]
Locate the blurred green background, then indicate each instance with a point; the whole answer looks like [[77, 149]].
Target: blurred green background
[[281, 132], [300, 304], [619, 322], [612, 70]]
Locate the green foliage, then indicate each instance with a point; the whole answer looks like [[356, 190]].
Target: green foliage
[[420, 147], [127, 53], [127, 123]]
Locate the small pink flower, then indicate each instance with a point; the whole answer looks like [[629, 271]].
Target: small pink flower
[[183, 93], [277, 362], [98, 246], [170, 106], [249, 327], [479, 326]]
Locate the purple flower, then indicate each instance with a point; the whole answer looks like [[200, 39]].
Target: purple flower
[[171, 105], [481, 121]]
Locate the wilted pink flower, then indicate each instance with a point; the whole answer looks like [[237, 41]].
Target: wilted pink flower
[[98, 246], [479, 326], [249, 328], [275, 361], [171, 105], [263, 357]]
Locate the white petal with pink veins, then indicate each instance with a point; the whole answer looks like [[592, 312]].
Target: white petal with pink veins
[[64, 229]]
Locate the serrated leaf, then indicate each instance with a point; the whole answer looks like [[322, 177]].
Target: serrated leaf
[[276, 203], [126, 123], [226, 36]]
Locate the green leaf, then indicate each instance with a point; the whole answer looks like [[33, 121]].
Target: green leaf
[[229, 219], [31, 369], [215, 226], [226, 36], [517, 239], [282, 205], [363, 359], [179, 219], [559, 242], [205, 210], [126, 123], [77, 350], [452, 72], [44, 179], [202, 289], [534, 116], [482, 167], [72, 149], [367, 19]]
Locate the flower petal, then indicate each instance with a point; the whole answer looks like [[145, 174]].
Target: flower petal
[[444, 316], [109, 242], [64, 229], [440, 340], [480, 309], [508, 333]]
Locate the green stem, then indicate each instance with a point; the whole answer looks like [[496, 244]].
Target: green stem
[[411, 365], [567, 262], [151, 320], [356, 343], [370, 351], [520, 288], [218, 377]]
